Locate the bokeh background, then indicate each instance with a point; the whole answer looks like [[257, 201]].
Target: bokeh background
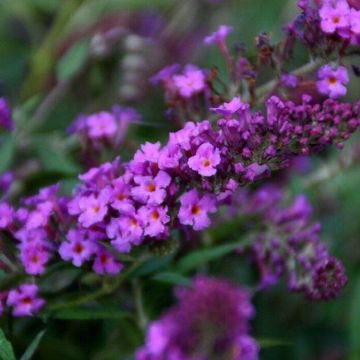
[[59, 58]]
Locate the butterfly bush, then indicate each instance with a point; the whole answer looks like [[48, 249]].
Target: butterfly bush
[[224, 142]]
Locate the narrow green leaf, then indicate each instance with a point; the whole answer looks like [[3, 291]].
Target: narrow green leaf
[[354, 323], [72, 62], [54, 160], [269, 343], [200, 257], [11, 280], [88, 313], [30, 351], [172, 278], [7, 150], [151, 266], [6, 350]]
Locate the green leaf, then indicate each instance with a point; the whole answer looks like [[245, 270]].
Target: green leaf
[[72, 62], [7, 150], [88, 313], [6, 350], [30, 351], [11, 280], [201, 257], [55, 159], [151, 266], [354, 323], [269, 343], [172, 278]]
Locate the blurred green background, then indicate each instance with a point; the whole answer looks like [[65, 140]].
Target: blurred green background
[[65, 57]]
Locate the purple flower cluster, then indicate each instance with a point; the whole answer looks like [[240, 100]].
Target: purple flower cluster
[[184, 181], [177, 185], [210, 321], [290, 244]]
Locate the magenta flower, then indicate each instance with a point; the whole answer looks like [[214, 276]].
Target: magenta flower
[[332, 81], [6, 179], [105, 263], [120, 197], [24, 300], [5, 115], [355, 21], [34, 257], [194, 210], [191, 82], [125, 231], [230, 108], [219, 36], [93, 208], [101, 125], [6, 215], [206, 159], [151, 190], [78, 247], [334, 16], [154, 219], [40, 216]]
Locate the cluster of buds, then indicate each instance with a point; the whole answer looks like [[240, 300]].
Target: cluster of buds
[[289, 244]]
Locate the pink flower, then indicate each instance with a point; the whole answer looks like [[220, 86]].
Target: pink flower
[[93, 208], [191, 82], [230, 108], [194, 210], [331, 81], [154, 219], [34, 257], [105, 263], [40, 216], [100, 125], [355, 21], [120, 197], [151, 190], [206, 159], [125, 231], [219, 35], [24, 300], [6, 215], [78, 248], [334, 16]]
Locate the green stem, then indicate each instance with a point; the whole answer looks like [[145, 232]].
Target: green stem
[[107, 288], [138, 295], [44, 59]]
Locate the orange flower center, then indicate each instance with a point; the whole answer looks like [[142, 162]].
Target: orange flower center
[[103, 259], [332, 80], [133, 222], [26, 301], [78, 248], [195, 210], [155, 215], [336, 19], [207, 163], [151, 187], [34, 259], [120, 196]]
